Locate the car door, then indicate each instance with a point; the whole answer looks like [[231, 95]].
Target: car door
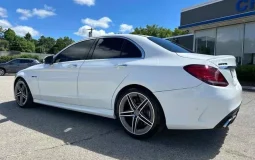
[[13, 66], [24, 63], [58, 82], [105, 70]]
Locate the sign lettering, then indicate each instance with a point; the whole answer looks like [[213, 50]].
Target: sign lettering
[[245, 5]]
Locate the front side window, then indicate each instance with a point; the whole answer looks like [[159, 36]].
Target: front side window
[[107, 48], [168, 45], [78, 51], [130, 51]]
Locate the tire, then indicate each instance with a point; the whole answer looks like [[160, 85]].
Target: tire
[[140, 113], [2, 72], [22, 94]]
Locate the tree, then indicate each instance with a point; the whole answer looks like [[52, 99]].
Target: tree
[[22, 45], [2, 32], [9, 35], [4, 45], [177, 32], [61, 43], [28, 37], [155, 30], [47, 43]]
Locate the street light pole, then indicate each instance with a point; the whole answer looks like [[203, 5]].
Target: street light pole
[[90, 32]]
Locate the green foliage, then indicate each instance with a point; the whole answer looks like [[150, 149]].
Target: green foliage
[[246, 73], [155, 30], [10, 41], [61, 44], [8, 58], [28, 37], [4, 45], [9, 35], [1, 32], [45, 44]]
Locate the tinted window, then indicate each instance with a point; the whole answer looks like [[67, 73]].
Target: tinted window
[[168, 45], [130, 50], [26, 61], [16, 61], [108, 48], [78, 51]]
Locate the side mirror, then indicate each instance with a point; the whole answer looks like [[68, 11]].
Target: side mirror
[[48, 60]]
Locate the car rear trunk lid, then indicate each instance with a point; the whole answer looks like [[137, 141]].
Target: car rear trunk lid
[[225, 63]]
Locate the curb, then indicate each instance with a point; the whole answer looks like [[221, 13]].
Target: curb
[[249, 88]]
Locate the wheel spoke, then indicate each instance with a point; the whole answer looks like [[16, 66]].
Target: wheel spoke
[[131, 103], [127, 114], [142, 105], [145, 120], [21, 100], [18, 94], [134, 124], [24, 96]]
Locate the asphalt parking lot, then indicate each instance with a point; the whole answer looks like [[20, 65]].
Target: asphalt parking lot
[[49, 133]]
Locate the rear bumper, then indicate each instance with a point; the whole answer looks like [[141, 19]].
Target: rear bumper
[[202, 107], [229, 119]]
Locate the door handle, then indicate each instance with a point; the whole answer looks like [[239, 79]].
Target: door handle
[[121, 65], [72, 66]]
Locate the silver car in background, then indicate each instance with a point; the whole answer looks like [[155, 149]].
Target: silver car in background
[[16, 65]]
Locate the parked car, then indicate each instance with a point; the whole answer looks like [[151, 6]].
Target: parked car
[[146, 83], [16, 65]]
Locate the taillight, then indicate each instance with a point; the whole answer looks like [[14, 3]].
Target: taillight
[[207, 74]]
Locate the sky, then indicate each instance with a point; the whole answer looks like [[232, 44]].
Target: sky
[[73, 18]]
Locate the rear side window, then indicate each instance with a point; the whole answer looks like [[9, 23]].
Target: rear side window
[[168, 45], [26, 61], [130, 50], [108, 48], [78, 51]]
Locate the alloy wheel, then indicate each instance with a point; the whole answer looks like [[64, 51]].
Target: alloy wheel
[[2, 72], [21, 93], [136, 113]]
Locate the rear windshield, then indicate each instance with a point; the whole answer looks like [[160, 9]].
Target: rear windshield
[[168, 45]]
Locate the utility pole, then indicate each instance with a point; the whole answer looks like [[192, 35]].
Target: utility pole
[[90, 32]]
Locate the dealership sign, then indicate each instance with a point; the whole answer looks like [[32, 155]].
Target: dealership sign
[[245, 5]]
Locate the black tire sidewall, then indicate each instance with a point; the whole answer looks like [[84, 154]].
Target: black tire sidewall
[[3, 71], [156, 106], [29, 102]]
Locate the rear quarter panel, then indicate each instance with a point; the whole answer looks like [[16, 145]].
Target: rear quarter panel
[[159, 74]]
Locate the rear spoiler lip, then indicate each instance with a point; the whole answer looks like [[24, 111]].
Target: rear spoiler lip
[[227, 67]]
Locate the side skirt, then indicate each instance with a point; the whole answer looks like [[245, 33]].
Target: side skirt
[[90, 110]]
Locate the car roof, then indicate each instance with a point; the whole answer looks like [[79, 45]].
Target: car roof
[[119, 35], [24, 59]]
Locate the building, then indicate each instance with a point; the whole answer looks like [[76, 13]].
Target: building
[[185, 41], [222, 27]]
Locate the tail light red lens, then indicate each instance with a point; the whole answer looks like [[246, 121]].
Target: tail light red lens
[[207, 74]]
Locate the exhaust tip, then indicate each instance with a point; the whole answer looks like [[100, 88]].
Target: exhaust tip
[[229, 121]]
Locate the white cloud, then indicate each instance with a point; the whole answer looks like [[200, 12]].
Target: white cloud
[[5, 24], [102, 22], [84, 32], [85, 2], [25, 13], [23, 30], [126, 28], [41, 13], [3, 12], [19, 30]]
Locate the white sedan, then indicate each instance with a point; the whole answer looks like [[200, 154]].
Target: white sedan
[[145, 82]]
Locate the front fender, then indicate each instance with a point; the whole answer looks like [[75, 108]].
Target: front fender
[[31, 81]]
